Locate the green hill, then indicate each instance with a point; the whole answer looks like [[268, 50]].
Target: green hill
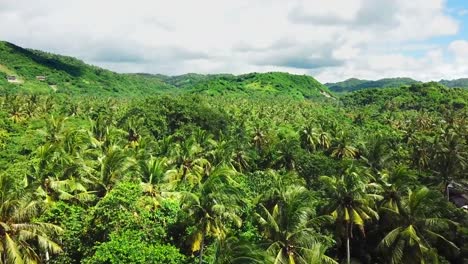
[[271, 83], [67, 75], [419, 96], [354, 84], [460, 83]]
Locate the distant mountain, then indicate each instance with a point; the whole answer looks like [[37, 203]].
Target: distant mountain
[[37, 71], [354, 84], [428, 96], [40, 71], [460, 83], [271, 83]]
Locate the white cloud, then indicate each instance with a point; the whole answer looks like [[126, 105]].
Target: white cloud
[[459, 48], [331, 39]]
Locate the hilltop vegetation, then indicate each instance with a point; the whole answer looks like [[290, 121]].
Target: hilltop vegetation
[[458, 83], [67, 75], [71, 76], [272, 83], [354, 84], [421, 96], [256, 172]]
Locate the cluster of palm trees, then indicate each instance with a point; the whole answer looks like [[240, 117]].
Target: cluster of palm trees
[[239, 177]]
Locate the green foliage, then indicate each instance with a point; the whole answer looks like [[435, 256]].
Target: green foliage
[[130, 247], [273, 83], [459, 83], [234, 177], [68, 75], [353, 84], [72, 219], [427, 96], [71, 76]]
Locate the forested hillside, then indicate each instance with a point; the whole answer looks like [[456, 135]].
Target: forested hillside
[[260, 174], [62, 74], [354, 84], [460, 83], [67, 75], [272, 83]]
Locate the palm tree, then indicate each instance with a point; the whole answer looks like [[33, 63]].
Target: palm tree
[[310, 137], [341, 148], [350, 200], [241, 159], [54, 129], [111, 166], [213, 205], [290, 228], [259, 139], [191, 166], [23, 239], [324, 139], [15, 106], [416, 224], [152, 173], [70, 189], [220, 152], [422, 147], [451, 157], [376, 152], [285, 156], [233, 250]]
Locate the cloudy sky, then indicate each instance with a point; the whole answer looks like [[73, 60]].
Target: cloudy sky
[[330, 39]]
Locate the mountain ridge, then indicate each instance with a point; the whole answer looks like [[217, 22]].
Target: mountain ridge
[[44, 72], [355, 84], [39, 71]]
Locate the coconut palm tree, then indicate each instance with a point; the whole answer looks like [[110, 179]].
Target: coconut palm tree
[[351, 201], [376, 152], [213, 205], [54, 129], [341, 147], [23, 239], [284, 157], [152, 173], [241, 159], [259, 139], [450, 158], [422, 150], [416, 226], [111, 166], [290, 228], [191, 166], [233, 250], [310, 137]]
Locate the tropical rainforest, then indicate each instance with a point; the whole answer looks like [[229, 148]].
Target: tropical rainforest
[[101, 167]]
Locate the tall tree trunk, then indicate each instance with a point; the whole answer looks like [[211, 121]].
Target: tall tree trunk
[[348, 253], [447, 190], [202, 247]]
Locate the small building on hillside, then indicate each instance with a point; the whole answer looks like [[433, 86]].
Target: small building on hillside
[[12, 79], [41, 78]]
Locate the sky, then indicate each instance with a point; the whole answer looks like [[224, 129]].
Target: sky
[[332, 40]]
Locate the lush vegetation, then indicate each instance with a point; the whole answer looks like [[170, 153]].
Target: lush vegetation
[[354, 84], [252, 177], [70, 76], [272, 83], [460, 83]]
